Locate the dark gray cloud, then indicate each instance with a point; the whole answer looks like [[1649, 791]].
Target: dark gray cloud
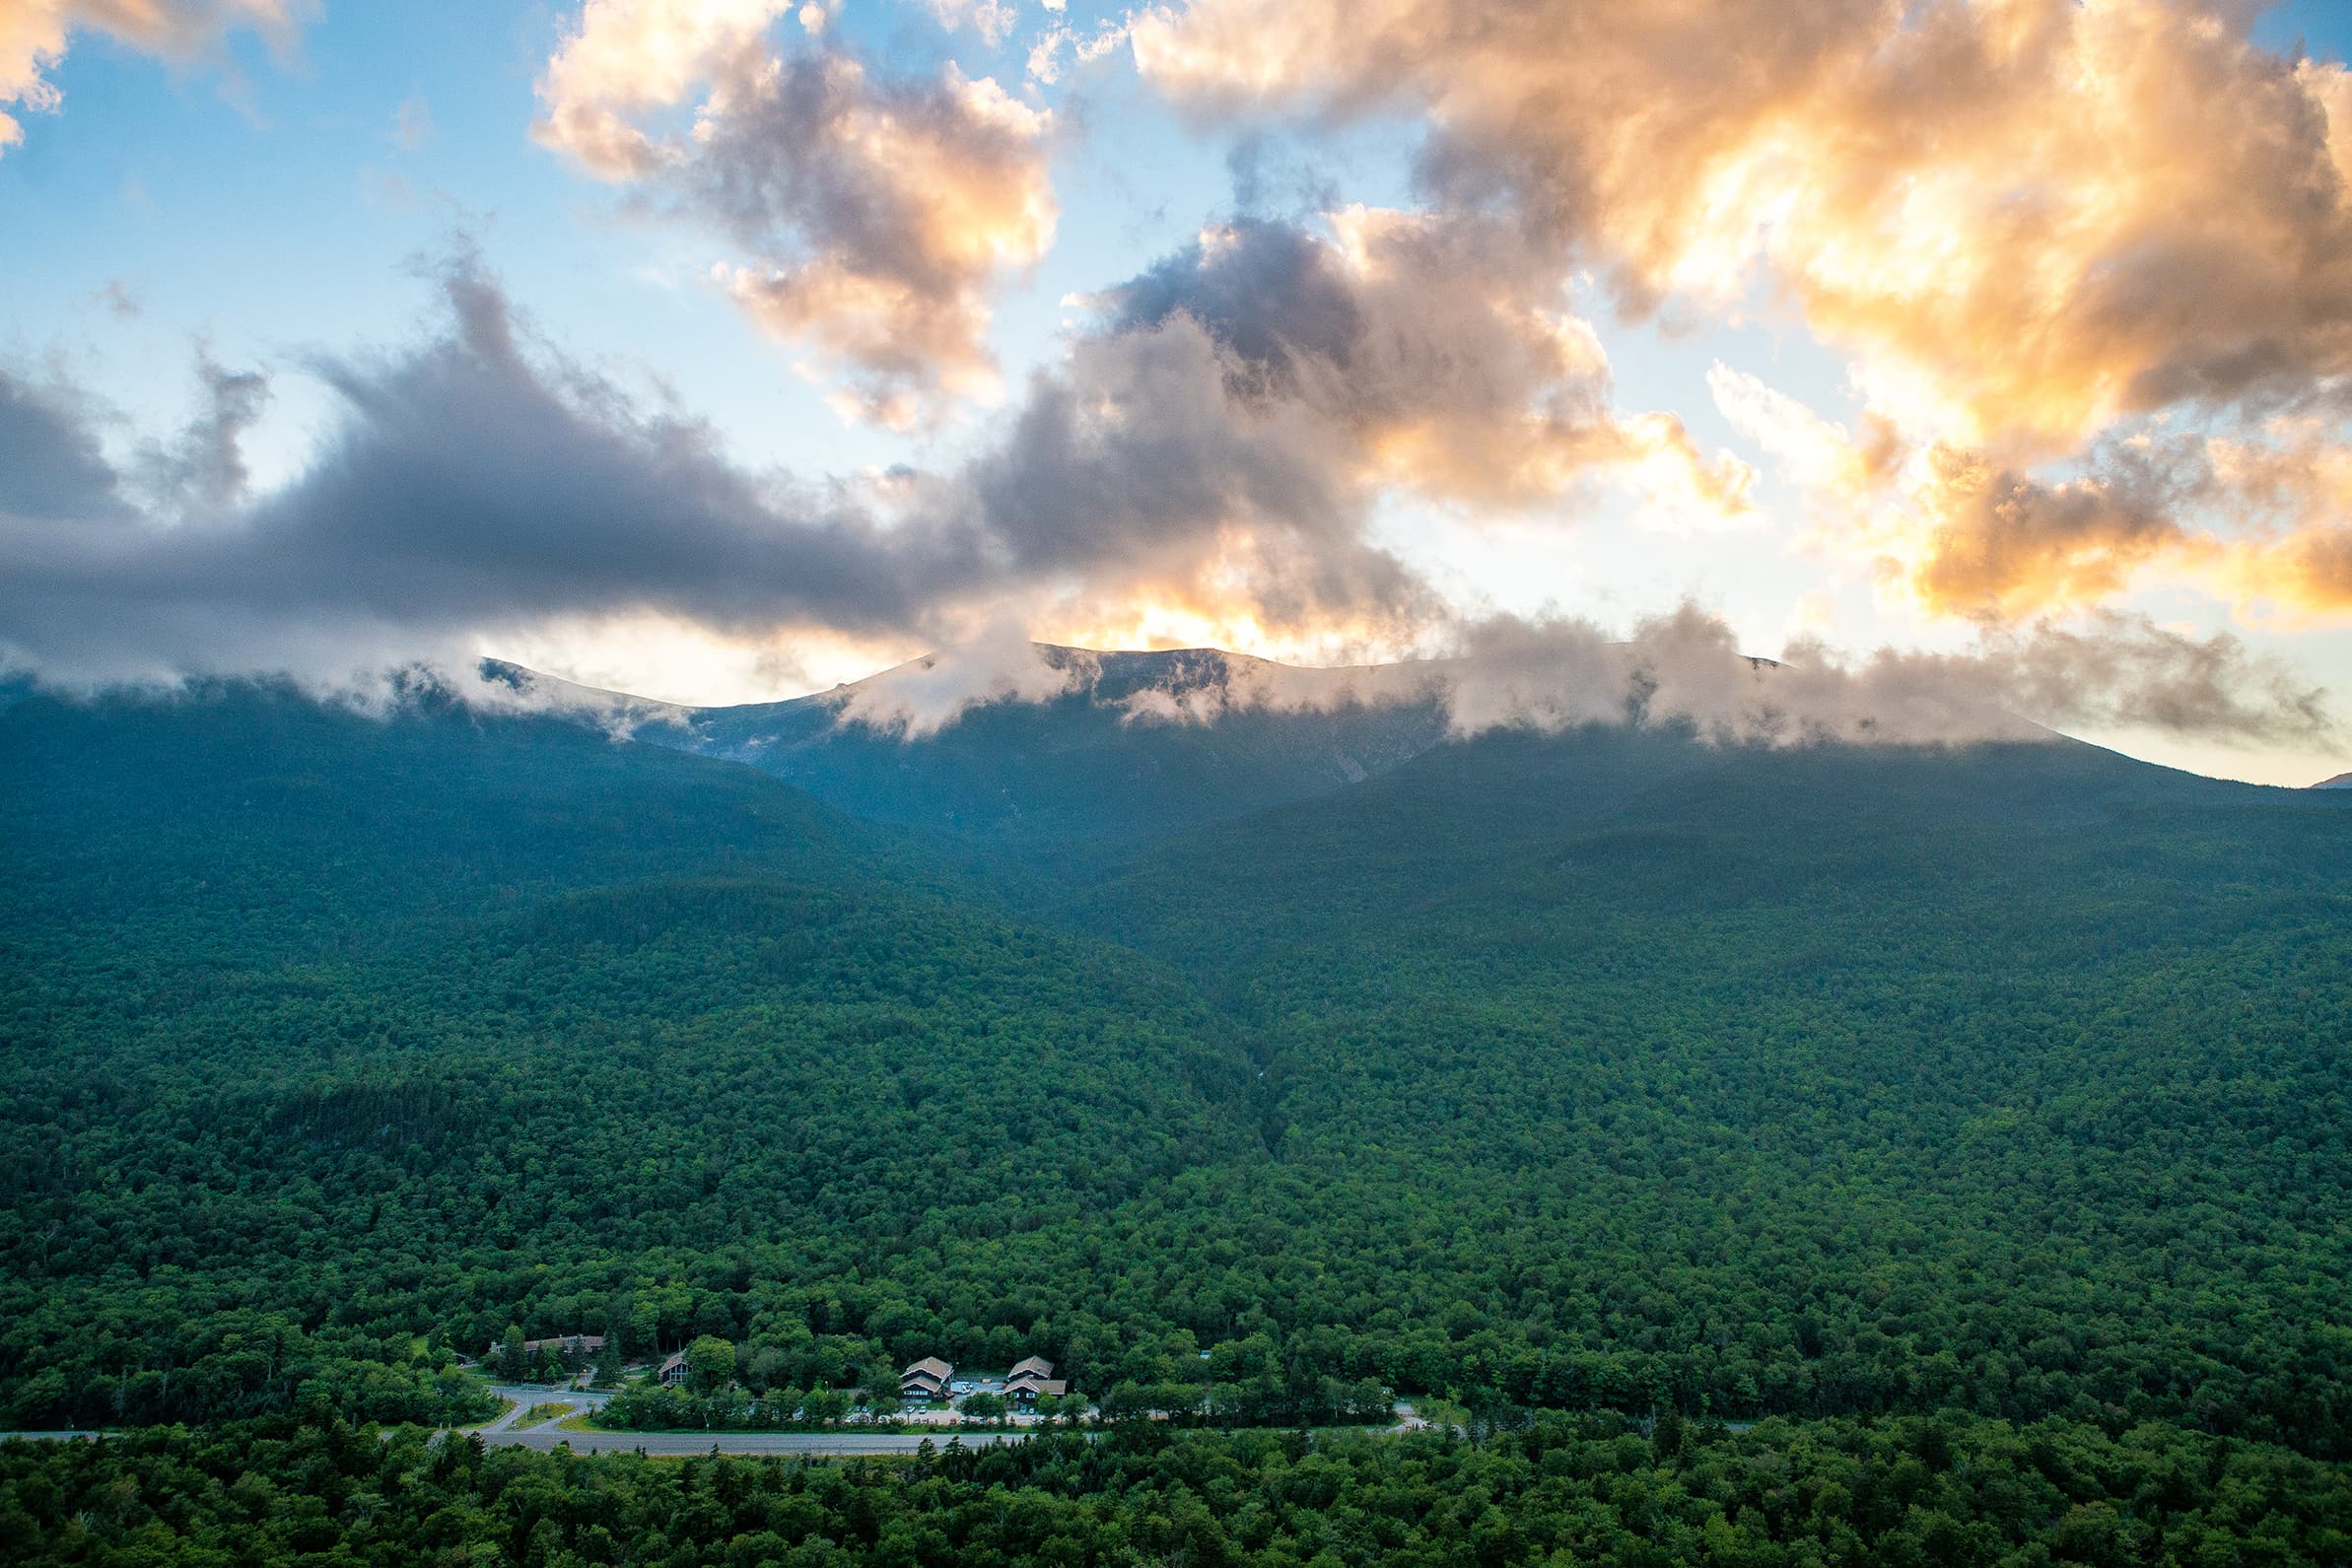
[[470, 486], [1138, 459], [480, 482], [1270, 294], [52, 465], [205, 469], [1439, 356]]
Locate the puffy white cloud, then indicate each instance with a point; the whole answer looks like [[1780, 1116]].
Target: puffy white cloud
[[35, 34], [875, 215]]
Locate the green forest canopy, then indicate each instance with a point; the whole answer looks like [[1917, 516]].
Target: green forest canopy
[[1600, 1071]]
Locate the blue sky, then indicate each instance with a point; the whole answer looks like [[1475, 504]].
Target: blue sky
[[277, 207]]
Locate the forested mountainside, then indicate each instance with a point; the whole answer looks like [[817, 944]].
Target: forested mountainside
[[1807, 1079], [1604, 1071], [1136, 745], [499, 1017]]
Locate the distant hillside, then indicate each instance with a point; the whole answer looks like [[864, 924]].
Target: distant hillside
[[240, 815], [1104, 748], [1137, 742], [2342, 781]]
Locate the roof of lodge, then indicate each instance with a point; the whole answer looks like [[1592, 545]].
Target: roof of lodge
[[1037, 1365], [592, 1341], [928, 1367]]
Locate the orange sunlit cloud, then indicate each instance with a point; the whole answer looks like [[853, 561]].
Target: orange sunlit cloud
[[2029, 224]]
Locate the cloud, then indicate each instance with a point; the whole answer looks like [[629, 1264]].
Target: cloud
[[1215, 440], [2295, 482], [52, 467], [480, 483], [992, 20], [1683, 670], [883, 213], [204, 471], [35, 35], [2070, 250], [875, 215], [931, 693], [1951, 531], [1214, 446], [119, 301], [470, 485], [2257, 516], [629, 57], [1435, 356], [2023, 219], [412, 123], [1686, 668]]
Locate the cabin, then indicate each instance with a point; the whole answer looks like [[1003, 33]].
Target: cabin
[[1025, 1395], [1031, 1379], [925, 1378], [671, 1374], [585, 1345]]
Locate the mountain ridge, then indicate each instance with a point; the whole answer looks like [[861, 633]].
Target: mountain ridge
[[1040, 743], [1109, 742]]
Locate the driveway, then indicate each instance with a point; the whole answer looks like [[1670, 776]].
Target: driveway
[[575, 1402]]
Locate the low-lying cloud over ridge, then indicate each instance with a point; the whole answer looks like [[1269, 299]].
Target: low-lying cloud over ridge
[[1683, 670], [1686, 668], [1194, 443]]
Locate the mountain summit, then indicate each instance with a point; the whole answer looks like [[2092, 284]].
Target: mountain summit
[[1033, 743], [1054, 742]]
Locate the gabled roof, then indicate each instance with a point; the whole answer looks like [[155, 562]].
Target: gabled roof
[[677, 1358], [928, 1367], [1038, 1388], [1037, 1366], [566, 1341]]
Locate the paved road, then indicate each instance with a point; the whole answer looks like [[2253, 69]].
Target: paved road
[[547, 1435], [544, 1438]]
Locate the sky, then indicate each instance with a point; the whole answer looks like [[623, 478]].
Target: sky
[[721, 350]]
